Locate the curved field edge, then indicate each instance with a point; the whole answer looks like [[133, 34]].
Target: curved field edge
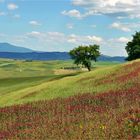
[[90, 82]]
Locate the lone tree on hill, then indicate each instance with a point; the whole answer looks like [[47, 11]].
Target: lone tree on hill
[[85, 54], [133, 47]]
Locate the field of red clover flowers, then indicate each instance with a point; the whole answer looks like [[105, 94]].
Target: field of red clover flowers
[[114, 114]]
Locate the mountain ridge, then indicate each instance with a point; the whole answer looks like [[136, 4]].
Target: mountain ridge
[[43, 56], [15, 52], [7, 47]]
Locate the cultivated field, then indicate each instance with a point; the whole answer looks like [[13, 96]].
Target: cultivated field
[[49, 100]]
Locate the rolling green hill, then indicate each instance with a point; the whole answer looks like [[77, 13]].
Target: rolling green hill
[[23, 81], [71, 104]]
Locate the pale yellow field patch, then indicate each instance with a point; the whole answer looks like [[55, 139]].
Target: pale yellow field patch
[[63, 71]]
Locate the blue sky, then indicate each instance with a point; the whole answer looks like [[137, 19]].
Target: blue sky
[[60, 25]]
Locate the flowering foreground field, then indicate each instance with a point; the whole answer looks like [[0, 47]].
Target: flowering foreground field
[[110, 113]]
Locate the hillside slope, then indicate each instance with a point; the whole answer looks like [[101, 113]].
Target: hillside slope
[[94, 82], [105, 105]]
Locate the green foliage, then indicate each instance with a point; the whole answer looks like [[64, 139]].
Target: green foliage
[[85, 54], [133, 47]]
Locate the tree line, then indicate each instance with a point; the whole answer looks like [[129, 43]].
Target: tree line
[[84, 54]]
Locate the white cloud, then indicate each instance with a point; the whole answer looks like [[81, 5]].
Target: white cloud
[[72, 39], [56, 34], [36, 35], [84, 40], [77, 14], [126, 27], [34, 23], [19, 39], [12, 6], [116, 8], [72, 13], [53, 37], [120, 26], [115, 46], [104, 2], [123, 40], [55, 41], [95, 39], [118, 41], [58, 37]]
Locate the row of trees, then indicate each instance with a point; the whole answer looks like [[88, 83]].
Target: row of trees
[[85, 54]]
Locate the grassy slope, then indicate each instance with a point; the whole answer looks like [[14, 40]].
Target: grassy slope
[[107, 109], [32, 81], [16, 75]]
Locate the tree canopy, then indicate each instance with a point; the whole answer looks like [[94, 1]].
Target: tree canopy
[[133, 47], [85, 54]]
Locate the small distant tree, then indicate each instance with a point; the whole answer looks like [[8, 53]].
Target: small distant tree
[[85, 54], [133, 47]]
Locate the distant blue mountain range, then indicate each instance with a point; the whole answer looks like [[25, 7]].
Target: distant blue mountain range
[[6, 47], [36, 55], [14, 52]]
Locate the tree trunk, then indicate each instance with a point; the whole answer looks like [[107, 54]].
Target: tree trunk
[[88, 65], [89, 69]]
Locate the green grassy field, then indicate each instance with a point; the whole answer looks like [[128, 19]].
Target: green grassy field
[[48, 100], [23, 81]]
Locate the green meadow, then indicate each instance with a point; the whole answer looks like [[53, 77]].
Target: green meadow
[[23, 81], [58, 100]]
